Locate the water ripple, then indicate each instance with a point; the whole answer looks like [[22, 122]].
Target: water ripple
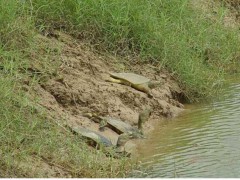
[[202, 143]]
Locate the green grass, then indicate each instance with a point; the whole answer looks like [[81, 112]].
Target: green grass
[[169, 34]]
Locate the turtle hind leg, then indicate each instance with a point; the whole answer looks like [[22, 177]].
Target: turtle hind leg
[[143, 88], [118, 81]]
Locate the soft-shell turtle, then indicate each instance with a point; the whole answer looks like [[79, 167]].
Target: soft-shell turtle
[[119, 126], [122, 127], [116, 150], [92, 136], [115, 124], [121, 143], [136, 81]]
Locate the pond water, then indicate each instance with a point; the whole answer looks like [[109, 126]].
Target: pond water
[[204, 141]]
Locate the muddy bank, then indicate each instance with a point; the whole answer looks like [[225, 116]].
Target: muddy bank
[[80, 87]]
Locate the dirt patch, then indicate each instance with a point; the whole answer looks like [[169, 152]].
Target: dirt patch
[[212, 10], [234, 6], [81, 87]]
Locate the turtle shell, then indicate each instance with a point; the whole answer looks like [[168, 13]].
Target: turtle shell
[[119, 126], [94, 136], [130, 77]]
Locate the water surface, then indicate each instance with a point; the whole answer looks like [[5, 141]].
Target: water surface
[[202, 142]]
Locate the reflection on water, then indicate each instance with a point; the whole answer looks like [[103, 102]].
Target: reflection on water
[[203, 142]]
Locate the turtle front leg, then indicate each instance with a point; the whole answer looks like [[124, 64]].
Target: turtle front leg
[[143, 88], [119, 81], [114, 80]]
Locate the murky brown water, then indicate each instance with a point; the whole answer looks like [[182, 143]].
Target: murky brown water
[[202, 142]]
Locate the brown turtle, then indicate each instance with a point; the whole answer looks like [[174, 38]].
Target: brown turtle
[[136, 81]]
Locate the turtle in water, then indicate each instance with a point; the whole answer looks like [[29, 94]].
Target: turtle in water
[[136, 81]]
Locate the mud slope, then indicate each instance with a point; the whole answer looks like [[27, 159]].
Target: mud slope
[[81, 87]]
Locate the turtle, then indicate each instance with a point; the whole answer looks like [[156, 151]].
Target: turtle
[[93, 137], [136, 81], [119, 126], [121, 148], [121, 143], [113, 123], [115, 150], [122, 127]]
